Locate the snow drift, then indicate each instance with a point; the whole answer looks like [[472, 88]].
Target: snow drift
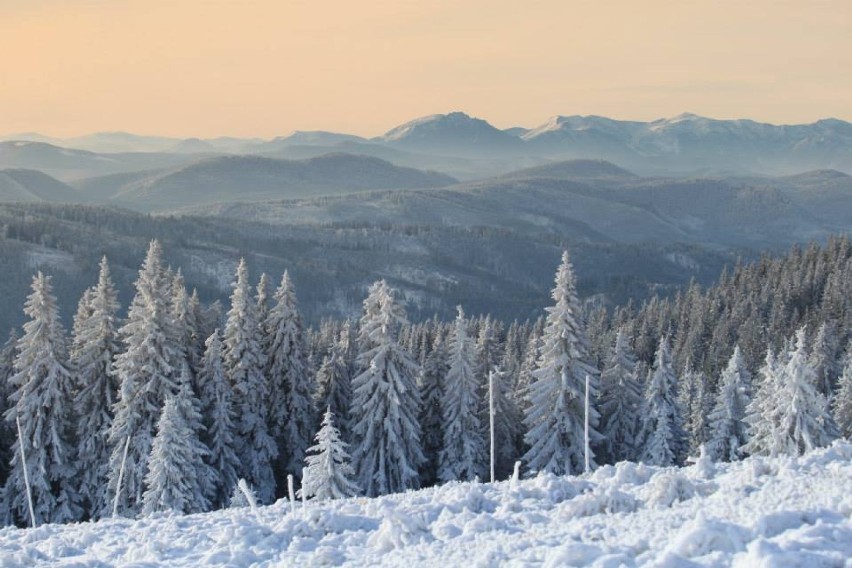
[[758, 512]]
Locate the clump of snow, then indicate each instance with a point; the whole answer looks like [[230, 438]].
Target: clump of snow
[[756, 512]]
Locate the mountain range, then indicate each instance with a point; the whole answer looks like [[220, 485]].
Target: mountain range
[[469, 148]]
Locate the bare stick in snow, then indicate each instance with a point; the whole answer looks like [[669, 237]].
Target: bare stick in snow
[[491, 417], [26, 475], [586, 430], [291, 492], [120, 477]]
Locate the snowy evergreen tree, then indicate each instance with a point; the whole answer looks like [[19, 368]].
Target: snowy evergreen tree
[[94, 346], [218, 418], [42, 402], [508, 426], [620, 403], [728, 430], [463, 455], [244, 368], [661, 437], [525, 373], [8, 431], [185, 325], [431, 387], [175, 480], [147, 377], [842, 405], [262, 294], [291, 415], [763, 413], [556, 414], [328, 473], [386, 401], [334, 386], [696, 404], [824, 360], [805, 421]]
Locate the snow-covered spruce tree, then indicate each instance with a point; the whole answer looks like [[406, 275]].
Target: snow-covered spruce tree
[[824, 360], [463, 455], [431, 385], [696, 404], [147, 376], [805, 420], [291, 414], [42, 401], [555, 416], [842, 404], [525, 373], [386, 401], [186, 332], [261, 298], [508, 426], [334, 387], [218, 418], [728, 431], [661, 436], [328, 473], [8, 431], [244, 365], [177, 473], [620, 403], [93, 348], [763, 413]]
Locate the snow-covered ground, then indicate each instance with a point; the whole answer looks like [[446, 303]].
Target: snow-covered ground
[[759, 512]]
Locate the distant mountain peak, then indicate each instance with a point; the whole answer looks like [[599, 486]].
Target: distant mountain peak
[[452, 133]]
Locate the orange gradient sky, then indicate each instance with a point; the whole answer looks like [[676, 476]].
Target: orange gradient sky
[[267, 67]]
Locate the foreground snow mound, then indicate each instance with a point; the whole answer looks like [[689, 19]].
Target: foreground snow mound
[[759, 512]]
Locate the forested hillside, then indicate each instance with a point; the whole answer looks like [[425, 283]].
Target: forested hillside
[[166, 407]]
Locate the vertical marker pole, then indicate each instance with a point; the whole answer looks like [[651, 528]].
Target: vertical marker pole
[[586, 429], [26, 475], [120, 477], [491, 417], [291, 492]]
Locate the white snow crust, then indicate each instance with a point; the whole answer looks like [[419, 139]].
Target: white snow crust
[[761, 512]]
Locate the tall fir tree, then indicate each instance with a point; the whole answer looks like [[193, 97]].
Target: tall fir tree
[[244, 364], [842, 404], [695, 403], [328, 472], [824, 359], [556, 415], [728, 430], [763, 413], [386, 401], [42, 403], [661, 437], [463, 454], [93, 349], [8, 431], [431, 385], [178, 479], [805, 420], [620, 403], [147, 377], [216, 399], [334, 386], [291, 416]]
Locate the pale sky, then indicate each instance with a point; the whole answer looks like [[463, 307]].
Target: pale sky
[[267, 67]]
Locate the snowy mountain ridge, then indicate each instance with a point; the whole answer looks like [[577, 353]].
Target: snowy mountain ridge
[[757, 512]]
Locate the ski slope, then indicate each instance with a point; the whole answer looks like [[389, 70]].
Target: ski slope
[[759, 512]]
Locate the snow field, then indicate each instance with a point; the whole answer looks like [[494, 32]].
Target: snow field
[[759, 512]]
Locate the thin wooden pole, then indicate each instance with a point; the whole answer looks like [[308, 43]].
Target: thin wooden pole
[[586, 429], [26, 475], [491, 417], [120, 477]]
